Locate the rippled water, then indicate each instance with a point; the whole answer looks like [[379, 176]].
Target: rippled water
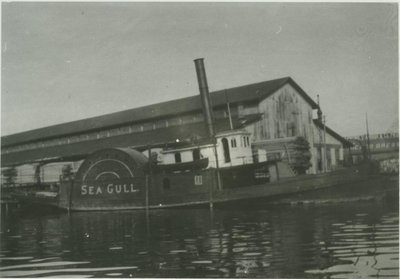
[[348, 240]]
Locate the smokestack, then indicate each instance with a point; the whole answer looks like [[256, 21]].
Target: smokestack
[[205, 95]]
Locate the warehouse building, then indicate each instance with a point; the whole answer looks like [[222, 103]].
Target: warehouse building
[[272, 115]]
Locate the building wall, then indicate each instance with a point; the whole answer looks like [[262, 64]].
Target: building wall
[[334, 150], [286, 114]]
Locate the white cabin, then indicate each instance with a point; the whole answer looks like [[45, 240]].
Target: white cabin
[[233, 149]]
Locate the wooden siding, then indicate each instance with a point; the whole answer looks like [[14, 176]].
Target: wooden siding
[[285, 114]]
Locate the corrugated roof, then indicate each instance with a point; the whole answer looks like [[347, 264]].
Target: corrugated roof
[[246, 93], [76, 151]]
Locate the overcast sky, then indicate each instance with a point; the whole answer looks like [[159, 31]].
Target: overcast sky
[[67, 61]]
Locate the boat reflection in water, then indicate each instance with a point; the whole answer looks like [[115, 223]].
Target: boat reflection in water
[[348, 240]]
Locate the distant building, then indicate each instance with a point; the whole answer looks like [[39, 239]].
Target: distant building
[[268, 117], [376, 146]]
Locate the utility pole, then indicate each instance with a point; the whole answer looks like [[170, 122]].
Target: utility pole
[[322, 138], [325, 153]]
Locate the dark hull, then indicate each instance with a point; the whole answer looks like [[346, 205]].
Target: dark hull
[[33, 198], [324, 188], [338, 186]]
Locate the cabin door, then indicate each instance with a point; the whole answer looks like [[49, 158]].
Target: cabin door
[[225, 146]]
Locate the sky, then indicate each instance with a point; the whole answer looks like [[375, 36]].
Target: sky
[[68, 61]]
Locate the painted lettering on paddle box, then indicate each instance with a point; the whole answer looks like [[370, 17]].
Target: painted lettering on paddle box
[[110, 189]]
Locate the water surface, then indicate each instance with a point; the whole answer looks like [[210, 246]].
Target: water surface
[[347, 240]]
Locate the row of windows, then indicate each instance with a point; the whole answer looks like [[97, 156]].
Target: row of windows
[[108, 133], [244, 141]]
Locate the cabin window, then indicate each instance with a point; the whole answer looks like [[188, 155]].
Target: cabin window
[[178, 158], [166, 184], [225, 146], [198, 180], [196, 154], [246, 141], [233, 142]]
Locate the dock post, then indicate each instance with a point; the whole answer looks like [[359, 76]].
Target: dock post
[[211, 202], [71, 183], [147, 193], [147, 208], [149, 178]]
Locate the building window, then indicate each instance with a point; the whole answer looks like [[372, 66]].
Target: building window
[[178, 158]]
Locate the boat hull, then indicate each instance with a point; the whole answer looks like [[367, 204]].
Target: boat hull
[[200, 188], [347, 184]]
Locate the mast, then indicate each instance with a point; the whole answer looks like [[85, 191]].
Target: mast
[[229, 110]]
